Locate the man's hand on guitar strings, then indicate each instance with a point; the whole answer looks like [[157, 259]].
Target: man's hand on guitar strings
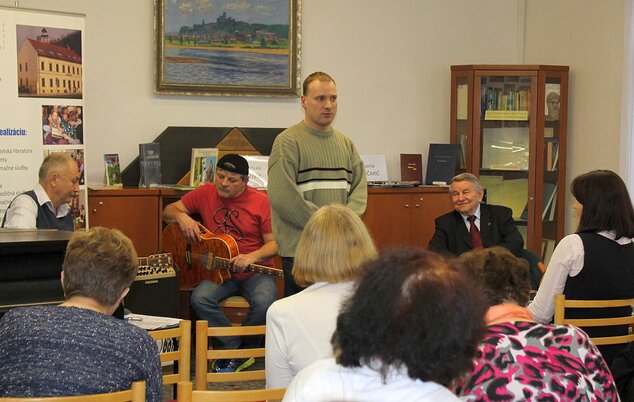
[[241, 262], [191, 234]]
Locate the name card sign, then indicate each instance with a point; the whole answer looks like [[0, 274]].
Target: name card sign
[[375, 167], [258, 170]]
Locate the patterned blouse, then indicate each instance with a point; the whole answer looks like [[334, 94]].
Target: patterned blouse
[[528, 361]]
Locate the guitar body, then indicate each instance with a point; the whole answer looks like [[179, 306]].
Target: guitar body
[[195, 261]]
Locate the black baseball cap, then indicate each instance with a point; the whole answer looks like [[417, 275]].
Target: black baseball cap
[[234, 163]]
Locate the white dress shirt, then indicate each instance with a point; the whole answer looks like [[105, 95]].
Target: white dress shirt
[[22, 214]]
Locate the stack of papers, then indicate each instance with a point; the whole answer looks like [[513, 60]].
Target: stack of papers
[[150, 322]]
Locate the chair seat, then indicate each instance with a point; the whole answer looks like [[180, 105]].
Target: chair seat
[[234, 302]]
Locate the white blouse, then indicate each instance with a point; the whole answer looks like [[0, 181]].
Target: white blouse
[[567, 260]]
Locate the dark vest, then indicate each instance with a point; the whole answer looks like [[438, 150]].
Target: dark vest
[[608, 273], [46, 219]]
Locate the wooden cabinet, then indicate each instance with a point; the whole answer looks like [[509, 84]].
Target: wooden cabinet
[[394, 216], [133, 211], [510, 123], [404, 216]]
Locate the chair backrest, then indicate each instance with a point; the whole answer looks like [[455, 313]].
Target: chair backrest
[[186, 394], [561, 304], [182, 356], [135, 394], [204, 355]]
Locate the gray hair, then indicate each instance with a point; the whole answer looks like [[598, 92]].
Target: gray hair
[[468, 177]]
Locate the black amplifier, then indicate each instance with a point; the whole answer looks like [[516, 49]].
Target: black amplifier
[[155, 288]]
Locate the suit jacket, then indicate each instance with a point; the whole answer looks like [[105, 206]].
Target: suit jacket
[[497, 228]]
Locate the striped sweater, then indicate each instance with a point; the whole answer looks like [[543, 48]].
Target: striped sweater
[[309, 169]]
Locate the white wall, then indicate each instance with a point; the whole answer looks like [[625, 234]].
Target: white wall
[[391, 63], [588, 36]]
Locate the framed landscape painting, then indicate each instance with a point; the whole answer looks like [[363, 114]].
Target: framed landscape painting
[[227, 47]]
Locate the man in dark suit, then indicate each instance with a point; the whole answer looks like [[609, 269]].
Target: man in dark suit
[[494, 224]]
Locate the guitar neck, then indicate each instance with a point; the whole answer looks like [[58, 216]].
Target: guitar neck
[[258, 269]]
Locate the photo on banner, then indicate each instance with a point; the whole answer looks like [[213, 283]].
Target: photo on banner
[[41, 68]]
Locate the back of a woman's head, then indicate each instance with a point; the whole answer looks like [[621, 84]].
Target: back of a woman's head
[[412, 309], [99, 263], [333, 247], [502, 277], [606, 203]]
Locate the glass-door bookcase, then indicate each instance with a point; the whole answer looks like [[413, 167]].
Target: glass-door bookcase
[[509, 122]]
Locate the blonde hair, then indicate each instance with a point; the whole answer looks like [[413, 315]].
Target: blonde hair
[[334, 246]]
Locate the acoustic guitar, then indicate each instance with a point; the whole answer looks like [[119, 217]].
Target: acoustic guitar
[[208, 259]]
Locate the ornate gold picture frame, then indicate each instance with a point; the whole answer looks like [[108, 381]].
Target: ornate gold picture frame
[[227, 47]]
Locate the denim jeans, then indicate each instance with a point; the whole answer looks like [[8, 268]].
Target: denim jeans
[[259, 290]]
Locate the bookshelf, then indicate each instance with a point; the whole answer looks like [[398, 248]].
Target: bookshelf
[[510, 124]]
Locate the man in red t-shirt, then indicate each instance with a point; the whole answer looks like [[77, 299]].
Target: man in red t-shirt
[[229, 206]]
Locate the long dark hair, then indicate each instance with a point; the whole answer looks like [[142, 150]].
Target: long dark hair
[[606, 203]]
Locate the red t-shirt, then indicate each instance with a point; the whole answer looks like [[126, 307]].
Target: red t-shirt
[[245, 218]]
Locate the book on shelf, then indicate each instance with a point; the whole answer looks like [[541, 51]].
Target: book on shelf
[[548, 246], [549, 194], [551, 155], [442, 161], [462, 96], [150, 163], [498, 99], [552, 211], [462, 148], [258, 170], [112, 170], [411, 167], [203, 166]]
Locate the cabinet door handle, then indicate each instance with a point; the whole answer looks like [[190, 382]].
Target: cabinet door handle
[[100, 203], [94, 210], [417, 205], [406, 205]]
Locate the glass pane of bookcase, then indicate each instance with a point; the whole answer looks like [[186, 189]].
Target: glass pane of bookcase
[[504, 141], [552, 95]]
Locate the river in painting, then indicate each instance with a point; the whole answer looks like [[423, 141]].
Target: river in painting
[[225, 67]]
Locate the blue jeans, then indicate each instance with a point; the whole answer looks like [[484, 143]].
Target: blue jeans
[[259, 290]]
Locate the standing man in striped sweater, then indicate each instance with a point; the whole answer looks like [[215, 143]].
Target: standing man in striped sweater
[[312, 165]]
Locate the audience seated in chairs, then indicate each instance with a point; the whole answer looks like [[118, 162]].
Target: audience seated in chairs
[[597, 262], [78, 348], [520, 359], [330, 255], [411, 327]]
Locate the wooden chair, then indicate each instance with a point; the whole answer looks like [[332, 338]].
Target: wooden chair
[[204, 355], [186, 394], [181, 357], [561, 304], [236, 308], [135, 394]]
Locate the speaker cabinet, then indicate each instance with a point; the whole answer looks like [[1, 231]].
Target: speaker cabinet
[[154, 296]]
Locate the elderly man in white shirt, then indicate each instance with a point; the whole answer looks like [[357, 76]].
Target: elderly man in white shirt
[[47, 205]]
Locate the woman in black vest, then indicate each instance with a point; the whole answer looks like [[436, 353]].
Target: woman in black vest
[[597, 262]]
